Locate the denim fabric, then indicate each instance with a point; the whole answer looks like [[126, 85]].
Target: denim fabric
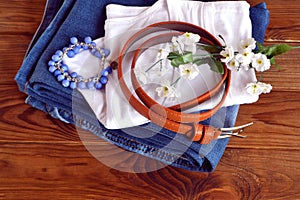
[[49, 13], [86, 18], [259, 16]]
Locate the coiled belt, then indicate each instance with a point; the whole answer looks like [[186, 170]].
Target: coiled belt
[[172, 118]]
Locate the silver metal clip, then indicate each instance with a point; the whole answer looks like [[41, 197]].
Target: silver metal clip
[[227, 132]]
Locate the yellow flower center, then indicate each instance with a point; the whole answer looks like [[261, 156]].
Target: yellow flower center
[[187, 71], [254, 87], [166, 90], [188, 35], [246, 54], [259, 62]]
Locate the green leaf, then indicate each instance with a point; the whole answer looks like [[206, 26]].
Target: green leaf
[[187, 57], [179, 59], [273, 50], [217, 66], [212, 49], [272, 61], [278, 67], [277, 49], [173, 55], [200, 61], [261, 48]]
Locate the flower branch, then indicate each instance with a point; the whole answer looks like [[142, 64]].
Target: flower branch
[[182, 56]]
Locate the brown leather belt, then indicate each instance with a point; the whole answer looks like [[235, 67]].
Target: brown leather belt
[[172, 118]]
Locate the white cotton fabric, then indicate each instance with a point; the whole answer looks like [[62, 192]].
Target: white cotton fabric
[[229, 19]]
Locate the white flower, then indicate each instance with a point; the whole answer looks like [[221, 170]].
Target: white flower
[[228, 54], [141, 75], [189, 71], [244, 57], [177, 44], [253, 88], [189, 38], [185, 42], [266, 88], [233, 65], [163, 52], [166, 90], [258, 88], [260, 62], [248, 44]]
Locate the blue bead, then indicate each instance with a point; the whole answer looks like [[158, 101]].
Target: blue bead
[[103, 80], [85, 47], [73, 40], [52, 69], [51, 63], [65, 83], [81, 85], [87, 39], [65, 67], [70, 54], [98, 54], [77, 49], [55, 58], [57, 72], [72, 85], [93, 44], [104, 72], [109, 69], [59, 53], [98, 86], [90, 85], [80, 77], [73, 74], [106, 52], [66, 74], [93, 51], [60, 77]]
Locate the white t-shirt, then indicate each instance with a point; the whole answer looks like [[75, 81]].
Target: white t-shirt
[[229, 19]]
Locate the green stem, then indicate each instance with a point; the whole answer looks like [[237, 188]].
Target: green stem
[[179, 47], [261, 78], [220, 36], [207, 55], [153, 65], [160, 65], [175, 82], [208, 45]]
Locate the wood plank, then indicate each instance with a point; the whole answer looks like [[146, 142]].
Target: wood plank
[[284, 20], [67, 171], [20, 122], [275, 116], [20, 17], [287, 78], [43, 158], [276, 124]]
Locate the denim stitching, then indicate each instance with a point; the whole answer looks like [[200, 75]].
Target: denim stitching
[[133, 144]]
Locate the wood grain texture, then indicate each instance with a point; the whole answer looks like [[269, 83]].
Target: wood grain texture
[[43, 158]]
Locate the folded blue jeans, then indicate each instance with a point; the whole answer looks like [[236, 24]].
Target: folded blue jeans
[[63, 19]]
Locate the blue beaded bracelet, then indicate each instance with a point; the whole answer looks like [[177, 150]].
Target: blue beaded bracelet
[[61, 71]]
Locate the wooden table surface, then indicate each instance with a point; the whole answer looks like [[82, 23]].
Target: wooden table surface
[[43, 158]]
